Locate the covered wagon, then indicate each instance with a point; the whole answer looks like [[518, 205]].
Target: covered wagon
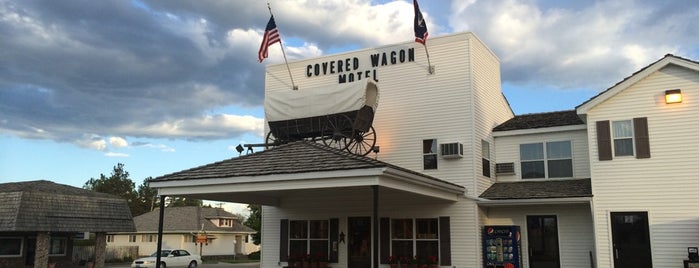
[[338, 116]]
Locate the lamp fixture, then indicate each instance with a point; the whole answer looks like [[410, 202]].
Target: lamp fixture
[[673, 96]]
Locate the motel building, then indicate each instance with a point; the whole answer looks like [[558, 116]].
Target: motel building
[[380, 152]]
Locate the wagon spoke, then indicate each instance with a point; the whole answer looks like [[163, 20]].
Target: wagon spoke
[[334, 133], [362, 143]]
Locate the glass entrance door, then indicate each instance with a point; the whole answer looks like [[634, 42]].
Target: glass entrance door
[[543, 241], [359, 242]]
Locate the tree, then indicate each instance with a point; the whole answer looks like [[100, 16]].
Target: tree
[[118, 184], [147, 197], [254, 221], [176, 201]]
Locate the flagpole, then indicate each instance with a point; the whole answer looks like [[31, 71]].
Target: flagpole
[[430, 68], [293, 86]]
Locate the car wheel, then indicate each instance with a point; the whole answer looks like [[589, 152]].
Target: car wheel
[[162, 265], [192, 264]]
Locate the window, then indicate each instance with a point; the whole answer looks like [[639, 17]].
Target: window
[[57, 246], [148, 238], [555, 161], [429, 154], [415, 237], [10, 246], [110, 238], [308, 237], [623, 138], [485, 155], [225, 222], [132, 238]]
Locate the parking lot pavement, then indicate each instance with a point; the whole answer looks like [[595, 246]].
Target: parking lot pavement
[[204, 265]]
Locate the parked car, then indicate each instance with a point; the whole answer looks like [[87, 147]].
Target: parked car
[[169, 258]]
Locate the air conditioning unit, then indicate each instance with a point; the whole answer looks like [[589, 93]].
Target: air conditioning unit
[[452, 150], [505, 168]]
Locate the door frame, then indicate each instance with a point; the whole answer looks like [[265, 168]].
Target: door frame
[[370, 249], [610, 232], [558, 235]]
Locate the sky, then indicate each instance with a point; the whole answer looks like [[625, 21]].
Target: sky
[[163, 86]]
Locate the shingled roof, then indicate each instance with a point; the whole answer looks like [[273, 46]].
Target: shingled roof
[[539, 189], [47, 206], [189, 219], [541, 120], [290, 158]]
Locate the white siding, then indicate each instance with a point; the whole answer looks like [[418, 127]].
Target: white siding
[[507, 151], [575, 237], [665, 185]]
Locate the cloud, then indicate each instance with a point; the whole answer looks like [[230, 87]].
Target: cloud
[[161, 147], [113, 154], [564, 45], [118, 142]]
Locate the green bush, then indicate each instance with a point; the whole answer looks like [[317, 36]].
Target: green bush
[[254, 256]]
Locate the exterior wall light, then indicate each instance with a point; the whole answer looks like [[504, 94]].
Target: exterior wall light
[[673, 96]]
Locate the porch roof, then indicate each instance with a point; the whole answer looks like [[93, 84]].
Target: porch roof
[[264, 177], [540, 191]]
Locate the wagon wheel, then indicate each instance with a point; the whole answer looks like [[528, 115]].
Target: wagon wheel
[[362, 142], [271, 141], [334, 134]]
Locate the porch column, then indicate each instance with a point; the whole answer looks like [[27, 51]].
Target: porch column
[[161, 216], [375, 189], [100, 249], [41, 255]]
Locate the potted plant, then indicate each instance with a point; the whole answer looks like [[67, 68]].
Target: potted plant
[[431, 261], [393, 261], [404, 260], [413, 262]]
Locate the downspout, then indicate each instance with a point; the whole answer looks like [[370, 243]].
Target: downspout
[[375, 188], [161, 216]]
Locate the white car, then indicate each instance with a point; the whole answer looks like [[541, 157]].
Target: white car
[[169, 258]]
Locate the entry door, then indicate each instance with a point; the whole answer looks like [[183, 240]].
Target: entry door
[[359, 242], [543, 241], [631, 240]]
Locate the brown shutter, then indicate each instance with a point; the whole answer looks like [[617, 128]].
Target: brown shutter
[[284, 241], [604, 141], [334, 239], [444, 241], [640, 133], [385, 239]]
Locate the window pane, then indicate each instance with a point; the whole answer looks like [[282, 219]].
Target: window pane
[[298, 229], [532, 151], [531, 170], [485, 149], [319, 248], [57, 246], [402, 248], [623, 147], [319, 229], [10, 246], [622, 129], [298, 247], [430, 161], [558, 149], [429, 146], [426, 249], [427, 228], [402, 229], [561, 168]]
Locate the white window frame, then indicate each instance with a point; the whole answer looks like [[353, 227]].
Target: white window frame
[[308, 238], [630, 137], [413, 238], [110, 238], [546, 159], [21, 245], [132, 238], [433, 151], [485, 154]]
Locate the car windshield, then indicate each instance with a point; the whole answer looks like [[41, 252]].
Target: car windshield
[[164, 253]]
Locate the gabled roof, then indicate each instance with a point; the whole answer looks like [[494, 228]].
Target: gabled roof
[[541, 120], [635, 77], [540, 189], [47, 206], [189, 220], [291, 158]]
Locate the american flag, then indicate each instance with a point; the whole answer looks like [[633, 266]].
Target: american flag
[[271, 36], [419, 26]]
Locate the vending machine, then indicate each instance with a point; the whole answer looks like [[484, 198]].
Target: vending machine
[[501, 247]]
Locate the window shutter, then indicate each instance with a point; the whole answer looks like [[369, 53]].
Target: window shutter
[[640, 129], [284, 240], [444, 241], [334, 239], [604, 141], [385, 239]]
